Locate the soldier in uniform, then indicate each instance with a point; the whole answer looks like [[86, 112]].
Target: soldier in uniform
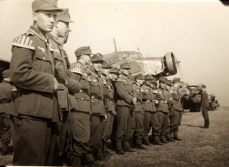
[[62, 74], [6, 102], [176, 109], [150, 111], [97, 107], [32, 71], [139, 112], [79, 117], [125, 112], [204, 104], [110, 109], [163, 111]]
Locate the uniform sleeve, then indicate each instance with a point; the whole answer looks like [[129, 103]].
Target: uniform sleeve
[[24, 76], [122, 92]]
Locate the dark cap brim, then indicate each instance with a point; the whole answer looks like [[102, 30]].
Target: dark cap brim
[[50, 9], [67, 20]]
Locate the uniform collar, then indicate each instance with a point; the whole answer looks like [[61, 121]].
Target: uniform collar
[[38, 33], [55, 39]]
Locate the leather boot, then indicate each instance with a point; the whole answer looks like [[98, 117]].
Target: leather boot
[[76, 161], [168, 137], [206, 124], [139, 145], [126, 147], [176, 137], [119, 150], [163, 139], [4, 150], [156, 140], [100, 156], [146, 140]]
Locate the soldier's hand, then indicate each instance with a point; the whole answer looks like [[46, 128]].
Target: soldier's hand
[[156, 101], [134, 100], [55, 84], [105, 117]]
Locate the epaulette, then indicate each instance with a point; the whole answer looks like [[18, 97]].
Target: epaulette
[[24, 41], [77, 69]]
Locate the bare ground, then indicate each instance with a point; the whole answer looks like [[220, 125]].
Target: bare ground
[[199, 147]]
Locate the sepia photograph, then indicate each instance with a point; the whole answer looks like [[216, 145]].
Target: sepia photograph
[[114, 83]]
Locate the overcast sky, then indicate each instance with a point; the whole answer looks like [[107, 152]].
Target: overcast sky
[[196, 32]]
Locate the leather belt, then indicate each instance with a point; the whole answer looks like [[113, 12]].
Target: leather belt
[[97, 97], [163, 101]]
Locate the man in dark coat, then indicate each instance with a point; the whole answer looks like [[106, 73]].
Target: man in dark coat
[[204, 104]]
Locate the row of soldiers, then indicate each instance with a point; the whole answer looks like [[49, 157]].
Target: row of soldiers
[[65, 112]]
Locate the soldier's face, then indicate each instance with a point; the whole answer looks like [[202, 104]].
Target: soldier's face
[[153, 85], [105, 71], [44, 20], [148, 82], [97, 65], [62, 28], [87, 59], [126, 71], [167, 87], [162, 85]]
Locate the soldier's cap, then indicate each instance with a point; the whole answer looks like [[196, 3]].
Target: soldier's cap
[[114, 71], [176, 80], [125, 66], [45, 5], [106, 64], [139, 77], [148, 77], [6, 73], [84, 50], [64, 16], [162, 79], [97, 57], [169, 82]]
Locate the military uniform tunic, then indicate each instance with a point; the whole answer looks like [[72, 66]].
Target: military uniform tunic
[[125, 113], [32, 71], [176, 109]]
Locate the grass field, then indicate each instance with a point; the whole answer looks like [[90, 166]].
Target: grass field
[[199, 147]]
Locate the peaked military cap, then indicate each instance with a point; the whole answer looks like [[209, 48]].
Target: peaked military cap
[[138, 76], [148, 77], [6, 73], [162, 79], [97, 57], [84, 50], [106, 64], [125, 66], [114, 70], [46, 5], [175, 80], [64, 16], [169, 82]]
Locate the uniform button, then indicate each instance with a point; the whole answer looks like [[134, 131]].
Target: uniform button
[[43, 58], [81, 98]]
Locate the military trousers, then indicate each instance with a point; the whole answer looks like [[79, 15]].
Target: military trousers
[[163, 119], [205, 116], [175, 120], [35, 142], [125, 123], [78, 133], [95, 136], [139, 129], [5, 132], [107, 126], [151, 121]]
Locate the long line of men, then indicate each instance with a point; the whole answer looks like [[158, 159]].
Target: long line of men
[[66, 114]]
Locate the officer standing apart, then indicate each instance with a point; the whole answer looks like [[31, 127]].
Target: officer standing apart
[[204, 104], [32, 71], [163, 111], [79, 117], [62, 74], [139, 112], [150, 111], [97, 107], [6, 107], [176, 108], [125, 110]]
